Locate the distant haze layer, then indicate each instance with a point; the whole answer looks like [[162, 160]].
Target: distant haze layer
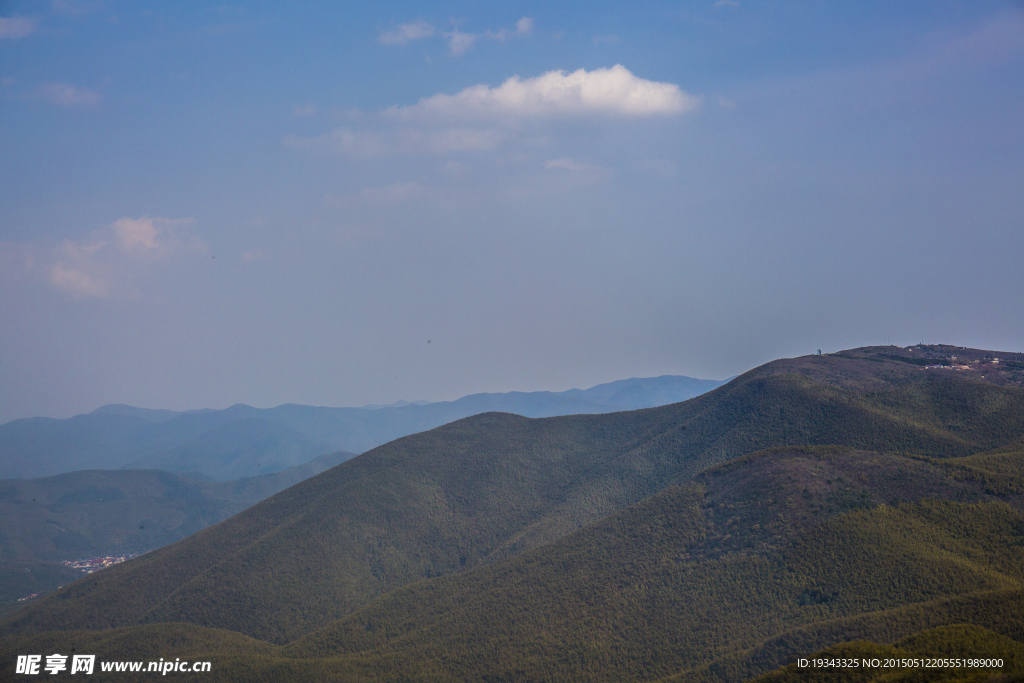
[[242, 441]]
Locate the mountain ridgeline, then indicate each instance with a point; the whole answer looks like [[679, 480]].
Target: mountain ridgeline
[[864, 496], [242, 441]]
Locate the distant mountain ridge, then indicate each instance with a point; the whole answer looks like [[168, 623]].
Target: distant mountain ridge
[[243, 441], [233, 450], [812, 501], [809, 502], [147, 414]]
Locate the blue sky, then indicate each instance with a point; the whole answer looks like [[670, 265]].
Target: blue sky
[[337, 204]]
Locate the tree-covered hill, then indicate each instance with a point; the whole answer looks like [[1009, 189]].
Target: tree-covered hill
[[704, 581], [115, 512], [628, 546], [665, 587]]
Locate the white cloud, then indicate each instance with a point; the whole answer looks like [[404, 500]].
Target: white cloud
[[77, 282], [17, 27], [104, 265], [308, 109], [65, 95], [524, 27], [80, 269], [611, 40], [614, 91], [482, 118], [138, 233], [726, 3], [459, 43], [406, 33]]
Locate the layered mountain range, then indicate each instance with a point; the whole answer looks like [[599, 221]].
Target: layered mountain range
[[870, 500], [184, 471], [242, 441]]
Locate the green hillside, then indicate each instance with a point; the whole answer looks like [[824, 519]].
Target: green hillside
[[629, 546], [115, 512], [658, 588], [705, 581], [82, 514], [998, 610]]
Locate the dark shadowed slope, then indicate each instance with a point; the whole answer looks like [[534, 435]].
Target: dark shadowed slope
[[486, 488], [112, 512]]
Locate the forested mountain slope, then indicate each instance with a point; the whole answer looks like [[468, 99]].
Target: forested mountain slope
[[488, 487], [700, 572], [115, 512], [627, 546], [704, 581]]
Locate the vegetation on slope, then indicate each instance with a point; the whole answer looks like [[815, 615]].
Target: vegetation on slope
[[110, 512], [631, 598], [657, 591], [529, 577], [997, 610], [488, 487]]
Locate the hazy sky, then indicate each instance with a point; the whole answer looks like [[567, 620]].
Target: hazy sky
[[344, 203]]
